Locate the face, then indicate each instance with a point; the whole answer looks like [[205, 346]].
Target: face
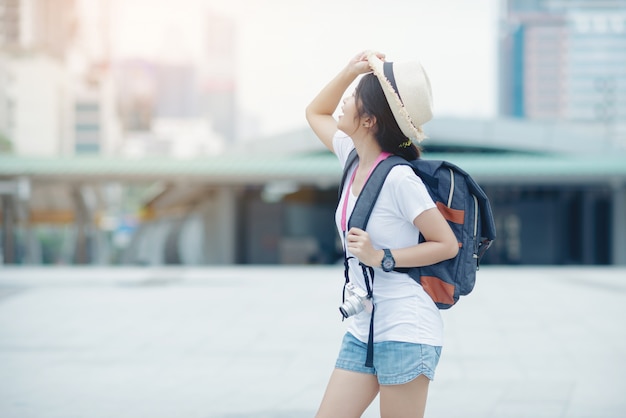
[[349, 121]]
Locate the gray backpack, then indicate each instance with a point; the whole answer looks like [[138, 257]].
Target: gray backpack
[[463, 204]]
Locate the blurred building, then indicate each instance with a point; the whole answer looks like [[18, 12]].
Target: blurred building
[[162, 111], [49, 25], [149, 90], [565, 60], [272, 201], [179, 108], [135, 82], [36, 104], [45, 25], [96, 125], [34, 36], [178, 94], [49, 106], [219, 75], [10, 21]]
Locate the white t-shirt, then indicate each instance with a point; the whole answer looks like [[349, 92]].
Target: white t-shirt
[[404, 312]]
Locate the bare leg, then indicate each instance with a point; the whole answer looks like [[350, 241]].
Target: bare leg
[[404, 401], [348, 394]]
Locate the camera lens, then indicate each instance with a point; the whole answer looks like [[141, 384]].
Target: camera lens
[[351, 306]]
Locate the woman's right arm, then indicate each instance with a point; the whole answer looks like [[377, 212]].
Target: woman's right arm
[[319, 113]]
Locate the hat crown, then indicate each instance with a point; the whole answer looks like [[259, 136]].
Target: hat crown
[[414, 91], [408, 92]]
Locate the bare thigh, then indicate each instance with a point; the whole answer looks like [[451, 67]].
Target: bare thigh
[[404, 401], [348, 394]]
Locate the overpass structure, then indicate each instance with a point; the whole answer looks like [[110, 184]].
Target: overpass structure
[[558, 192]]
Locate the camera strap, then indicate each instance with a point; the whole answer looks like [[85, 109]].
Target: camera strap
[[368, 275], [369, 359], [346, 277], [368, 271]]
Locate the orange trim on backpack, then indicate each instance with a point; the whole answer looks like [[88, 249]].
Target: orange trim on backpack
[[453, 215], [438, 290]]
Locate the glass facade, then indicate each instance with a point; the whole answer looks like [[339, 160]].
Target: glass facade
[[564, 60]]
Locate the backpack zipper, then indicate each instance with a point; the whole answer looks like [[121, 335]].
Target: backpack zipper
[[451, 188]]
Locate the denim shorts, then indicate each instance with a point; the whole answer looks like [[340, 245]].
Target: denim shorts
[[395, 362]]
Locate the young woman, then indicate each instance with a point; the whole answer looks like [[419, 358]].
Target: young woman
[[382, 117]]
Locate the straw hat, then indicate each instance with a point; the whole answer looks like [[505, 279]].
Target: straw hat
[[407, 89]]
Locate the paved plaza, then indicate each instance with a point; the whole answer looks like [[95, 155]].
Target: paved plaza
[[234, 342]]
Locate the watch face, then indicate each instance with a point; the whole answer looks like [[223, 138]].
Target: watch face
[[388, 264]]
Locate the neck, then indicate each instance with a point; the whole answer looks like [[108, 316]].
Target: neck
[[368, 152]]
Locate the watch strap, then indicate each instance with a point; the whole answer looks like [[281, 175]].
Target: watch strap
[[386, 258]]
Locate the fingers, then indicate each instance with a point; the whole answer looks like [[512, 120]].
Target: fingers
[[357, 238], [379, 55], [358, 244], [360, 62], [355, 235], [366, 54]]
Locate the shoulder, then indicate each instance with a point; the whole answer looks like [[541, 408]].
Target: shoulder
[[342, 145], [407, 192], [403, 174], [402, 182], [341, 140]]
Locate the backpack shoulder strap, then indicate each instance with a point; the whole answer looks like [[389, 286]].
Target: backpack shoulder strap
[[365, 202], [352, 159]]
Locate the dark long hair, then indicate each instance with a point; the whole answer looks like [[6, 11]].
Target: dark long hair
[[371, 101]]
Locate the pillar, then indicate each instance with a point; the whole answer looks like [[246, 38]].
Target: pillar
[[619, 225], [221, 226]]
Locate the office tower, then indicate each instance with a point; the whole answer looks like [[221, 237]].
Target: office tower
[[563, 60], [40, 45], [88, 129], [53, 25], [38, 25], [218, 75], [9, 23], [34, 35], [177, 94], [137, 93]]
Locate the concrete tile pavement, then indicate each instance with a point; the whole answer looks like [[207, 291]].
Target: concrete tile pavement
[[234, 342]]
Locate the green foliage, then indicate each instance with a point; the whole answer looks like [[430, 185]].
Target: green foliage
[[6, 146]]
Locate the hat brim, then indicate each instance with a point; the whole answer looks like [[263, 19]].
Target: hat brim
[[401, 115]]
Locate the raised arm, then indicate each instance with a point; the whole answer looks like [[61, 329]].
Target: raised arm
[[319, 113]]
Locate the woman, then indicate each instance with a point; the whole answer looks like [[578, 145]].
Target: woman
[[382, 117]]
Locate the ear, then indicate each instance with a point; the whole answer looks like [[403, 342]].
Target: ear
[[368, 122]]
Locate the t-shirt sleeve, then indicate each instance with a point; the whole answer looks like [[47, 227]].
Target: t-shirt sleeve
[[411, 195], [342, 145]]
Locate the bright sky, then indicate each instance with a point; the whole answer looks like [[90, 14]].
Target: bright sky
[[288, 49]]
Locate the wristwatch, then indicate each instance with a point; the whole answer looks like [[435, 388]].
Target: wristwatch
[[388, 263]]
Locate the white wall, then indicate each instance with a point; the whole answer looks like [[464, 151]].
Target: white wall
[[43, 93], [39, 88]]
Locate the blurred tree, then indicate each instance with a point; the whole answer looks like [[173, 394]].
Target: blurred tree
[[6, 146]]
